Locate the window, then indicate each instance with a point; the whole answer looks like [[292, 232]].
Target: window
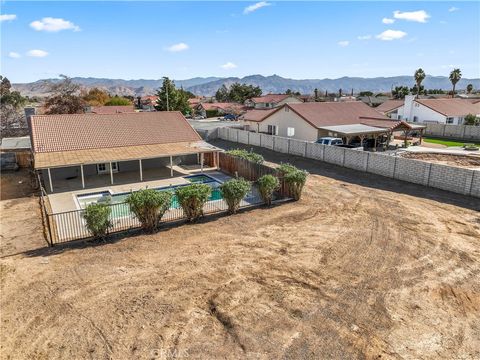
[[290, 131], [449, 120], [415, 118], [272, 130], [104, 168]]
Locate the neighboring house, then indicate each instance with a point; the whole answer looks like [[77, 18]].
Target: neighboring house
[[220, 108], [148, 102], [390, 108], [78, 149], [441, 111], [109, 109], [310, 121], [271, 101]]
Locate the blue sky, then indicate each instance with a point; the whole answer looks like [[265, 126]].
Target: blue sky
[[132, 40]]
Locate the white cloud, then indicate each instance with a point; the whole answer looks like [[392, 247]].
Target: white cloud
[[178, 47], [343, 43], [37, 53], [8, 17], [389, 35], [14, 55], [364, 37], [251, 8], [50, 24], [388, 21], [453, 8], [229, 65], [417, 16]]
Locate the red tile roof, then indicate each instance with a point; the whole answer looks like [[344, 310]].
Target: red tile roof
[[256, 115], [112, 109], [451, 107], [51, 133], [389, 105], [270, 98], [320, 114], [222, 106]]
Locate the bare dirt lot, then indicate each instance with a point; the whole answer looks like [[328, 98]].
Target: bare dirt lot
[[362, 267], [446, 159]]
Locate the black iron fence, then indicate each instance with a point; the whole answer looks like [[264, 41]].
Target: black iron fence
[[71, 225]]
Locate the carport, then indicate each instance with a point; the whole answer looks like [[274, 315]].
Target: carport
[[352, 131]]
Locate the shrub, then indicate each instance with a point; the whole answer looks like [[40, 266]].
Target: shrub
[[267, 185], [286, 168], [149, 205], [211, 113], [247, 155], [233, 191], [471, 119], [97, 217], [295, 181], [192, 198]]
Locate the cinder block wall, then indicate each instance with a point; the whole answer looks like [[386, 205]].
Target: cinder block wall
[[450, 178]]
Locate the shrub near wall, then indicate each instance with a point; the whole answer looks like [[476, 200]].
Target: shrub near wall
[[233, 191], [267, 185], [192, 198]]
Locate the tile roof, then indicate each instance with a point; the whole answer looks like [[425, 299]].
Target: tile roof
[[95, 156], [256, 115], [223, 106], [270, 98], [52, 133], [112, 109], [321, 114], [451, 107], [389, 105]]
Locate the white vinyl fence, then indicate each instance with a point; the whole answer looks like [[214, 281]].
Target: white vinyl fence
[[461, 132], [450, 178]]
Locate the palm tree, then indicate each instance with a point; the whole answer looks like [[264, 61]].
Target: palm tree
[[419, 77], [454, 77], [469, 88]]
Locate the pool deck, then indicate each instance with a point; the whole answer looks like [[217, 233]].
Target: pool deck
[[67, 200]]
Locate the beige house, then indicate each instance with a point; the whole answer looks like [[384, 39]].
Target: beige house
[[271, 101], [311, 121]]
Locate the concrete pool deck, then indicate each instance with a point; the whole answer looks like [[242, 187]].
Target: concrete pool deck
[[67, 200]]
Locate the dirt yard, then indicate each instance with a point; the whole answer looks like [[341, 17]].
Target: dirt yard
[[446, 159], [361, 268]]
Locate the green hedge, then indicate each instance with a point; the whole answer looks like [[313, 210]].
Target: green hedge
[[247, 155]]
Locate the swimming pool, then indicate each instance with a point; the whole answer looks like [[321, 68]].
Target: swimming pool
[[123, 210]]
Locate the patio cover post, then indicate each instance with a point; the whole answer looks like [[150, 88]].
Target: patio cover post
[[111, 173], [83, 178], [171, 166], [141, 172], [50, 179], [201, 162]]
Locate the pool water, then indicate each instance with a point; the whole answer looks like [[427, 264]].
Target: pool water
[[123, 210]]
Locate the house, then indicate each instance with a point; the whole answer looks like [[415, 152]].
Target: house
[[110, 109], [441, 111], [75, 150], [311, 121], [271, 101], [204, 109]]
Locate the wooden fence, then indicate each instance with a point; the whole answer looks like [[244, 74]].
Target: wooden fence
[[250, 170]]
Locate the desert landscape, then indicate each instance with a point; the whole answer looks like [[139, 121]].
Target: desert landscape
[[361, 267]]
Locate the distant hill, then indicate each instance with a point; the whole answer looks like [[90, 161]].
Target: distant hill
[[269, 84]]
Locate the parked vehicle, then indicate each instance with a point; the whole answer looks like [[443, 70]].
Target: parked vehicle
[[330, 141], [230, 117], [199, 117]]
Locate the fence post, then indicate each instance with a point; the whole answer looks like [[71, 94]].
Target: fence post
[[248, 138], [444, 126], [464, 127], [288, 146], [429, 172], [260, 137], [394, 167], [273, 143], [343, 160], [323, 153], [470, 191], [305, 152], [237, 135], [368, 159]]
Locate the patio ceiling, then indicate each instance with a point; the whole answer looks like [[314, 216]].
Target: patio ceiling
[[125, 153]]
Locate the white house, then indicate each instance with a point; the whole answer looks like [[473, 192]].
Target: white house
[[271, 101], [442, 111]]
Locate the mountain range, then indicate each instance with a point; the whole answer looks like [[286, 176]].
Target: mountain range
[[207, 86]]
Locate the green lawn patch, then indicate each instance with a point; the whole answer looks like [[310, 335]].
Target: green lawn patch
[[446, 142]]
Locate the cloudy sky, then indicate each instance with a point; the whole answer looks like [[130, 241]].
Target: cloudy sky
[[132, 40]]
